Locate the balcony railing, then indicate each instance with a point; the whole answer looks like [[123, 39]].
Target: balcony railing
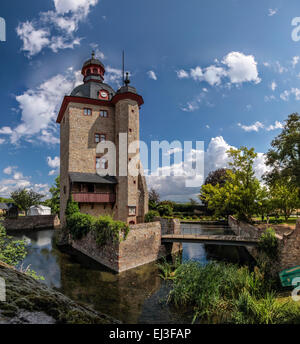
[[86, 197]]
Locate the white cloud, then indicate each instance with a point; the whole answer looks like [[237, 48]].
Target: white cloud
[[272, 12], [239, 68], [258, 125], [194, 104], [75, 6], [295, 61], [197, 73], [152, 75], [34, 40], [296, 92], [213, 75], [273, 86], [277, 125], [269, 98], [54, 163], [182, 74], [254, 127], [39, 107], [113, 75], [285, 95], [38, 33], [242, 68], [9, 169]]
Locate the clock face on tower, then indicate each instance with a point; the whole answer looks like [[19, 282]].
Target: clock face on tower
[[103, 95]]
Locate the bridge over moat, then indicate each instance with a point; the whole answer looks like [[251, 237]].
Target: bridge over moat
[[227, 240]]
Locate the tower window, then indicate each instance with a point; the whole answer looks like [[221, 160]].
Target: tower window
[[132, 211], [103, 113], [87, 112], [101, 163], [100, 138], [95, 71], [91, 188]]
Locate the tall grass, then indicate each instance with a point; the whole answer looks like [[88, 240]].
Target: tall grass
[[226, 293]]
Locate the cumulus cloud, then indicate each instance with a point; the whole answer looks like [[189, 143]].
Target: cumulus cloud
[[242, 68], [235, 66], [277, 125], [152, 75], [55, 29], [39, 107], [174, 187]]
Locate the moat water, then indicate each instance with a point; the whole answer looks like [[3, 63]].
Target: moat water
[[135, 296]]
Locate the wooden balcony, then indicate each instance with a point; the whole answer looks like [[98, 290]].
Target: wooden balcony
[[86, 197]]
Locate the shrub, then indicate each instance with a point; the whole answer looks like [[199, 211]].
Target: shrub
[[149, 217], [79, 225], [165, 210], [268, 244], [107, 230], [72, 207]]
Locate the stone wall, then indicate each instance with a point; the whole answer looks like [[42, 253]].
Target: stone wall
[[289, 243], [244, 229], [32, 222], [290, 248], [142, 246]]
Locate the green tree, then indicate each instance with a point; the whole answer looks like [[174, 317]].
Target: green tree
[[284, 156], [154, 199], [12, 252], [54, 201], [284, 195], [264, 202], [24, 198], [240, 192]]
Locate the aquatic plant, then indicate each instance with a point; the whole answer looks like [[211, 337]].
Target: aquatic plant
[[228, 293]]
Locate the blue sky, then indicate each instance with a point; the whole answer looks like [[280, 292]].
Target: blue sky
[[223, 72]]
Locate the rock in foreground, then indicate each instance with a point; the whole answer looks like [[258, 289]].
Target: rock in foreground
[[31, 302]]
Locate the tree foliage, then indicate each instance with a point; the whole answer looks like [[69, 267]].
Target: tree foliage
[[284, 197], [54, 202], [154, 198], [239, 193], [24, 198], [284, 156], [12, 252]]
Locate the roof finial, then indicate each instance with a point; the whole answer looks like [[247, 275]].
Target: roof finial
[[127, 81], [93, 54]]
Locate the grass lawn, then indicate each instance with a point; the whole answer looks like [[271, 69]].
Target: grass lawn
[[280, 220]]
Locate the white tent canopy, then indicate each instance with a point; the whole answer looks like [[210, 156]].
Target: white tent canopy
[[36, 210]]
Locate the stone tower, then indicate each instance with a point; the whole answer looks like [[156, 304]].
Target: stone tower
[[94, 113]]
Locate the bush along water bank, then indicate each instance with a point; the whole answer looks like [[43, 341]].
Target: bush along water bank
[[104, 228], [226, 293]]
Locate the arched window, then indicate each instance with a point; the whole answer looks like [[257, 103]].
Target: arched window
[[95, 71]]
